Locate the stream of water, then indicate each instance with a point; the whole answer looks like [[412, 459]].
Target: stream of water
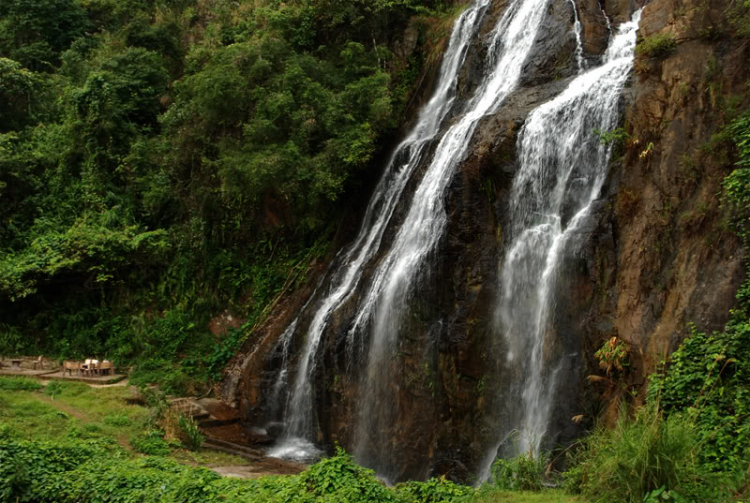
[[562, 167], [297, 439], [382, 309]]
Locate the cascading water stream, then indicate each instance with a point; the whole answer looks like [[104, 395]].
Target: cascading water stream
[[393, 283], [577, 27], [296, 441], [562, 167]]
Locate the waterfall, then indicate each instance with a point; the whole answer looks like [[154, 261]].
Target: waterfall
[[393, 283], [577, 27], [562, 167], [343, 278]]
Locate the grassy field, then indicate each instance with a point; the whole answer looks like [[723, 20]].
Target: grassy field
[[70, 410], [490, 495], [65, 411]]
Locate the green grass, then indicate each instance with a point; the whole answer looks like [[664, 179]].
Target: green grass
[[26, 417], [491, 495], [643, 454], [12, 383], [63, 411]]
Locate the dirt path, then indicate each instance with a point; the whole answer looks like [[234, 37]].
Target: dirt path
[[80, 415], [124, 382], [63, 407]]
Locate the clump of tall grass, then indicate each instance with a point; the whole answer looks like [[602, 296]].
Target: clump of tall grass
[[14, 383], [524, 472], [642, 454]]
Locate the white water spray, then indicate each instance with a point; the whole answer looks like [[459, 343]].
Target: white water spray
[[562, 167], [393, 283], [297, 439]]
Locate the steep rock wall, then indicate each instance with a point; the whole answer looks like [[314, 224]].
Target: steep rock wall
[[654, 257]]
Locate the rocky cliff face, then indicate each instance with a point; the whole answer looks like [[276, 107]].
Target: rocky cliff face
[[654, 257]]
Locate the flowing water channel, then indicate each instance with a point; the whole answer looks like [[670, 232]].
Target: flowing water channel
[[381, 311], [562, 167], [341, 282]]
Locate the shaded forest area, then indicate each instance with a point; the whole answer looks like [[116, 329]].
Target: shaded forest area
[[162, 161]]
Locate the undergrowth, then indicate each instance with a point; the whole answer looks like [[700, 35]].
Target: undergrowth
[[641, 455], [10, 383], [72, 472]]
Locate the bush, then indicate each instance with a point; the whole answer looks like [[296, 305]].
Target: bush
[[151, 443], [61, 473], [708, 379], [19, 384], [522, 473], [438, 490], [641, 455], [660, 45]]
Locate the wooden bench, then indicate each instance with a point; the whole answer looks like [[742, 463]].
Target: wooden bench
[[70, 366], [106, 368], [39, 362]]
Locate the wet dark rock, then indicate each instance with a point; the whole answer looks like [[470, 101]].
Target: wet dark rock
[[635, 271]]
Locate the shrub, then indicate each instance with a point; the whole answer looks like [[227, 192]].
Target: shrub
[[641, 455], [19, 384], [708, 378], [439, 490], [151, 443], [660, 45], [522, 473], [60, 473], [613, 356]]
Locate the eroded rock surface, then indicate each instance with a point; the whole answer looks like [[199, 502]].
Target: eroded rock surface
[[653, 257]]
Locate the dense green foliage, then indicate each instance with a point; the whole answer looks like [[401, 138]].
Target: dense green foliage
[[163, 161], [522, 473], [657, 46], [93, 471], [642, 455], [708, 380]]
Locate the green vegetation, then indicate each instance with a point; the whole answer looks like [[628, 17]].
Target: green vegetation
[[71, 412], [19, 384], [691, 441], [739, 17], [659, 45], [60, 472], [76, 443], [161, 162], [522, 473], [641, 455], [39, 471]]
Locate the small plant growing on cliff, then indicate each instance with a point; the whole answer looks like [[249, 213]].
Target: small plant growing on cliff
[[617, 136], [614, 356], [660, 45]]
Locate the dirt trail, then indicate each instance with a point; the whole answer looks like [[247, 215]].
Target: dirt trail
[[124, 382]]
